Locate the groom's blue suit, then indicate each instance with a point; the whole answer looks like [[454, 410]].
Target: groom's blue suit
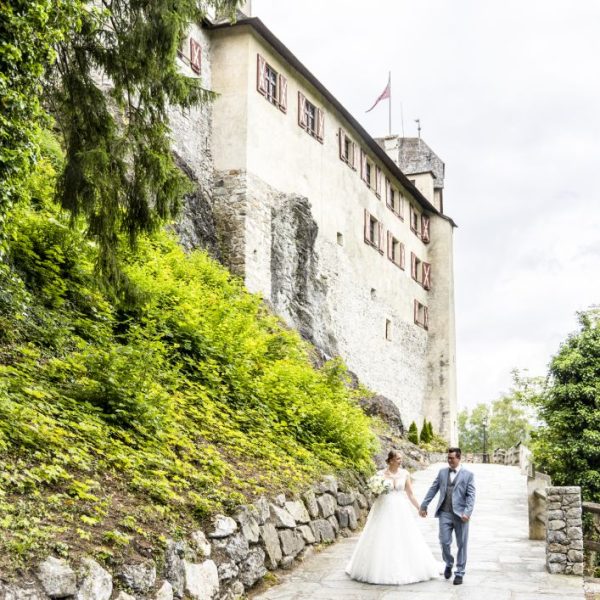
[[450, 511]]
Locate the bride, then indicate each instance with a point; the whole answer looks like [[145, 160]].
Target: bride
[[391, 549]]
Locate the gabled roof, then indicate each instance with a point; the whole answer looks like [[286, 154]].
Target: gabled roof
[[261, 29]]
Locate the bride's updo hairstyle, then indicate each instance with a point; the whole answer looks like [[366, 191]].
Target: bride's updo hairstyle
[[392, 454]]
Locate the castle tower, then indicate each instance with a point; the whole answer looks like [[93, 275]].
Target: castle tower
[[426, 171]]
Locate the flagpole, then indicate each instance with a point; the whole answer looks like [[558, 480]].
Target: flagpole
[[390, 103]]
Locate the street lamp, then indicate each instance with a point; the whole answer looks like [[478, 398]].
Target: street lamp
[[485, 424]]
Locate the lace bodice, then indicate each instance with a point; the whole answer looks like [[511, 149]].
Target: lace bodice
[[398, 479]]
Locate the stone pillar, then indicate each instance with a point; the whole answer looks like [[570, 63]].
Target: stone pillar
[[564, 532], [537, 489]]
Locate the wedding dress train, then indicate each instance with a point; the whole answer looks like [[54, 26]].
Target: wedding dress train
[[391, 549]]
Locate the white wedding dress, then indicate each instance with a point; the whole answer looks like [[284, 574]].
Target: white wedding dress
[[391, 549]]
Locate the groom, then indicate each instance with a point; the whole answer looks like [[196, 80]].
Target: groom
[[456, 486]]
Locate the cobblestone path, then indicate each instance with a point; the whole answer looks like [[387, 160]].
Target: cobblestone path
[[503, 563]]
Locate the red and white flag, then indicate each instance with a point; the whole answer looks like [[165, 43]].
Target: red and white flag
[[387, 93]]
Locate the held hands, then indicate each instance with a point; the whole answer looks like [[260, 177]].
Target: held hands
[[422, 513]]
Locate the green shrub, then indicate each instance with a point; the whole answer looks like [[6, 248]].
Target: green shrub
[[413, 433]]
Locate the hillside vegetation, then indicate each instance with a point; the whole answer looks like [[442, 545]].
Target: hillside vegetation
[[124, 420]]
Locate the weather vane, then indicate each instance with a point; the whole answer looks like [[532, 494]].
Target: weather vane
[[418, 122]]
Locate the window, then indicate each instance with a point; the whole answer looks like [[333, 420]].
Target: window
[[416, 271], [370, 174], [347, 149], [340, 239], [420, 271], [373, 232], [271, 84], [415, 221], [421, 315], [394, 200], [395, 251], [310, 118], [388, 330]]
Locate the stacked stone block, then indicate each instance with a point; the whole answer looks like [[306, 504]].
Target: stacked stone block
[[220, 564], [564, 532]]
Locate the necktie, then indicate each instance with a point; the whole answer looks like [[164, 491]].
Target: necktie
[[453, 471]]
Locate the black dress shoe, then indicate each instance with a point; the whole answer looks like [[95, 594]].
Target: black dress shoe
[[448, 572], [457, 580]]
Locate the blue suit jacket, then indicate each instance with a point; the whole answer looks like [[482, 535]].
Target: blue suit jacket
[[463, 497]]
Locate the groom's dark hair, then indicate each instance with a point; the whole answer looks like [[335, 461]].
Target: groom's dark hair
[[455, 450]]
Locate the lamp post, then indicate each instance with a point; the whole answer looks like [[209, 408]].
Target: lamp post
[[485, 424]]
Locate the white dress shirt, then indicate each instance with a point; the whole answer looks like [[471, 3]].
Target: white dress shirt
[[453, 475]]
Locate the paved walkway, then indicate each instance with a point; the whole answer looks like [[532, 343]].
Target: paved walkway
[[503, 563]]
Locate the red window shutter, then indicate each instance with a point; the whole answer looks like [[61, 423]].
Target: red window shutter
[[380, 240], [402, 253], [378, 182], [425, 317], [389, 245], [301, 113], [261, 74], [342, 139], [367, 226], [363, 165], [413, 266], [195, 56], [425, 228], [412, 219], [427, 276], [416, 312], [387, 191], [320, 124], [354, 155], [282, 81]]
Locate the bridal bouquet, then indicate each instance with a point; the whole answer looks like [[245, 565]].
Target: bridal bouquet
[[379, 485]]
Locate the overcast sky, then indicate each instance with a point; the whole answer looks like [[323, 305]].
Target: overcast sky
[[508, 93]]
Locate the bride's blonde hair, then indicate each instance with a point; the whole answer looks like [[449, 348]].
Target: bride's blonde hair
[[391, 454]]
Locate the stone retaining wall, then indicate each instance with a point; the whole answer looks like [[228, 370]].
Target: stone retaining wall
[[564, 533], [220, 563]]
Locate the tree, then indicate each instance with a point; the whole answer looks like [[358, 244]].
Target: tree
[[509, 423], [425, 436], [470, 428], [29, 31], [567, 445], [507, 419], [119, 171], [413, 433]]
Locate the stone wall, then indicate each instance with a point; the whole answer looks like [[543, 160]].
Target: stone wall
[[224, 561], [564, 533]]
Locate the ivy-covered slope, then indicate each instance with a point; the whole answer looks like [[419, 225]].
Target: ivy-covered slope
[[124, 422]]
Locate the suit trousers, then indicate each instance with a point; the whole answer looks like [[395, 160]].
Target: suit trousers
[[448, 523]]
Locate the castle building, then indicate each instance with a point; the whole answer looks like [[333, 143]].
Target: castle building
[[345, 236]]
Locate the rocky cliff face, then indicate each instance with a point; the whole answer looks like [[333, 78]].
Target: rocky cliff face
[[298, 291], [196, 225]]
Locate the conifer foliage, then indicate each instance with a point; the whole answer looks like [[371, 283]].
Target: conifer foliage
[[119, 172], [413, 433]]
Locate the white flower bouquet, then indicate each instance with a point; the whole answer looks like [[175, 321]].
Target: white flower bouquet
[[379, 485]]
